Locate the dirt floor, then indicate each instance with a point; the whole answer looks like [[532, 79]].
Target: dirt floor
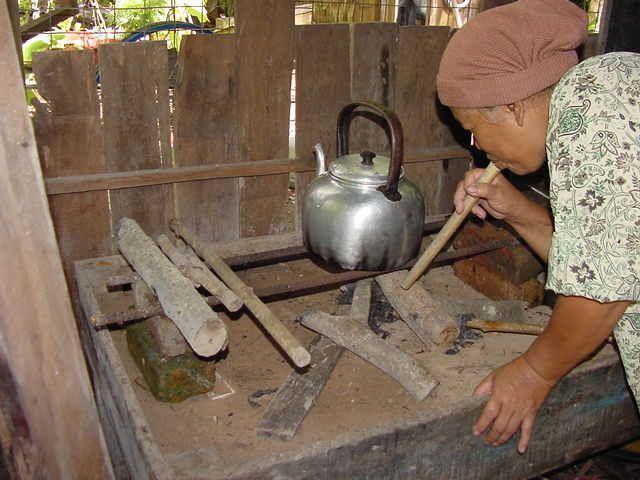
[[206, 435]]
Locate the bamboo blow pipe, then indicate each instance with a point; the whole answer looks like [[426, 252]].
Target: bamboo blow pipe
[[289, 344], [447, 231]]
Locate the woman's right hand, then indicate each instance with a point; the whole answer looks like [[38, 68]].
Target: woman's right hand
[[499, 198]]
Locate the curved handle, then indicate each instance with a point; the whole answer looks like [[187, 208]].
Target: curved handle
[[391, 121]]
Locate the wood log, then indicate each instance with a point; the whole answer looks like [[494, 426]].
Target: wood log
[[283, 337], [188, 263], [353, 335], [201, 327], [421, 311], [298, 393]]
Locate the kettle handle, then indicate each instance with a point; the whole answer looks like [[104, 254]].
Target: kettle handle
[[390, 189]]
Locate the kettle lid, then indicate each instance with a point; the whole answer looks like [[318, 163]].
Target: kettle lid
[[365, 168]]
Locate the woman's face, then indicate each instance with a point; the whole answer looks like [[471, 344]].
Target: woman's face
[[512, 136]]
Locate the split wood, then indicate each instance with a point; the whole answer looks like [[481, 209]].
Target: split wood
[[283, 337], [447, 231], [194, 269], [354, 335], [202, 328]]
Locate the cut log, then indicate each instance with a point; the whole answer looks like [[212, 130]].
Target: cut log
[[355, 336], [198, 323], [194, 269], [423, 313], [283, 337]]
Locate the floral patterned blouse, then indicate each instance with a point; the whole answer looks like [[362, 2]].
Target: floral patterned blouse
[[593, 150]]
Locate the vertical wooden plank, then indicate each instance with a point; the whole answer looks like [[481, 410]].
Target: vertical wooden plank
[[207, 132], [264, 55], [418, 58], [373, 58], [322, 89], [69, 137], [38, 339], [135, 99]]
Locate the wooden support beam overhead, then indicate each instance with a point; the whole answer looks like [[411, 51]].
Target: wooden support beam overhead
[[50, 425]]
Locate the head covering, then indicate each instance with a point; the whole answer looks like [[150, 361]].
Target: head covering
[[510, 52]]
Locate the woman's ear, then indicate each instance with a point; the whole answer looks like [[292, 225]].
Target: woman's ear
[[517, 110]]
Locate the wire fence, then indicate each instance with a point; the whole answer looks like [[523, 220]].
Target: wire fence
[[49, 25]]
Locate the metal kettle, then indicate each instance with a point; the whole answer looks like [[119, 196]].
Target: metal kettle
[[362, 213]]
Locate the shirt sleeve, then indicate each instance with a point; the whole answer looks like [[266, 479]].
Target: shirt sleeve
[[593, 149]]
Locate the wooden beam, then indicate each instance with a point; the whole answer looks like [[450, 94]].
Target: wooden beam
[[159, 176], [50, 427]]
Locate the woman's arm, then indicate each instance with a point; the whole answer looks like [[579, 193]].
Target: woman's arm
[[578, 326], [503, 201]]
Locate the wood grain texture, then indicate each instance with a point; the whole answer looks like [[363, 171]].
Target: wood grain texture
[[322, 89], [135, 99], [264, 55], [419, 52], [69, 137], [373, 65], [206, 131], [40, 351]]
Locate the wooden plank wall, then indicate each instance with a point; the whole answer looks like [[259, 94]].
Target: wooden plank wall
[[48, 420], [230, 104]]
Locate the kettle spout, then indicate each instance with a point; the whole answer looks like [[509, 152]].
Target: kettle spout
[[321, 159]]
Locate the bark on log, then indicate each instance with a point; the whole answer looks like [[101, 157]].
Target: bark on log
[[188, 263], [283, 337], [423, 313], [201, 327]]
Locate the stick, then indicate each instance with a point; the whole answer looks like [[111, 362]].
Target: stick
[[449, 229], [298, 393], [194, 269], [291, 346], [505, 327], [199, 324], [353, 335]]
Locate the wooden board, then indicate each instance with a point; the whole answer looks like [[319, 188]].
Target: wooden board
[[206, 131], [373, 60], [419, 52], [264, 55], [50, 426], [69, 137], [135, 101], [322, 89]]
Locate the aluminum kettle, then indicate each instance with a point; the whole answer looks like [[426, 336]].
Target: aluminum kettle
[[362, 213]]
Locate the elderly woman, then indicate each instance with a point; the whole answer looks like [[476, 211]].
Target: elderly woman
[[511, 77]]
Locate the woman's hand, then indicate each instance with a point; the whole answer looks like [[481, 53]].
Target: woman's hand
[[499, 198], [516, 392]]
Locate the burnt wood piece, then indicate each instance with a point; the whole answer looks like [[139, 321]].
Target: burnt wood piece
[[421, 311], [50, 426], [113, 303], [201, 327], [297, 394], [276, 329], [188, 263], [352, 333]]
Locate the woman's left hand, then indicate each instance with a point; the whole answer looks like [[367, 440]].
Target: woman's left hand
[[516, 392]]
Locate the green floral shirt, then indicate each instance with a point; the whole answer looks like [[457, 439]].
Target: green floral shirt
[[593, 150]]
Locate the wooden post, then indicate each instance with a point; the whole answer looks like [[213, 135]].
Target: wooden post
[[50, 423]]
